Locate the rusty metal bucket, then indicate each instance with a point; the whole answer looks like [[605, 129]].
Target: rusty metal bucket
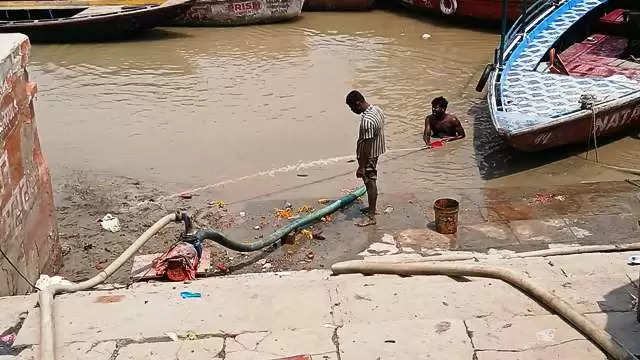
[[446, 214]]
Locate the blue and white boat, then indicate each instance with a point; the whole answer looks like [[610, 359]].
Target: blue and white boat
[[566, 72]]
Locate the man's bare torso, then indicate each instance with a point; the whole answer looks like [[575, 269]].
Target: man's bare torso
[[444, 127]]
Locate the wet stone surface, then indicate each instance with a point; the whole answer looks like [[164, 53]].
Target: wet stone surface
[[323, 243]]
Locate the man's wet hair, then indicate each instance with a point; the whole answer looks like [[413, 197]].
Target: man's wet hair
[[354, 96], [440, 100]]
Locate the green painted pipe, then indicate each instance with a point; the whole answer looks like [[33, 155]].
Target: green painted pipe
[[221, 239]]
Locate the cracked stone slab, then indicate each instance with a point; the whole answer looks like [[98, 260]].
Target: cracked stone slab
[[379, 248], [73, 351], [597, 264], [328, 356], [607, 228], [595, 294], [260, 302], [578, 349], [251, 340], [282, 343], [301, 341], [174, 350], [231, 346], [248, 355], [542, 231], [254, 355], [388, 239], [535, 268], [13, 307], [428, 297], [520, 333], [485, 235], [405, 339], [418, 239]]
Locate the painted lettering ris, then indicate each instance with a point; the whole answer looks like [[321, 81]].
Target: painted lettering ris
[[616, 119], [245, 7]]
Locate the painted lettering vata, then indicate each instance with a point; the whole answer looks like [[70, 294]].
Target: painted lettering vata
[[604, 123], [616, 119]]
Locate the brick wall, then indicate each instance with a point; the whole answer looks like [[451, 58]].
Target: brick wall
[[28, 233]]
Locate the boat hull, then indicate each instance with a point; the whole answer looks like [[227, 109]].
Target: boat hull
[[107, 26], [487, 10], [338, 5], [238, 12], [609, 121]]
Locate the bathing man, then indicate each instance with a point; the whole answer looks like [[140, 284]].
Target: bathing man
[[369, 147], [440, 124]]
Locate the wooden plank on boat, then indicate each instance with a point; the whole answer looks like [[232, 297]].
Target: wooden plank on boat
[[143, 270]]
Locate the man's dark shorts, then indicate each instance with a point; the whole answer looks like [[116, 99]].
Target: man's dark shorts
[[370, 170]]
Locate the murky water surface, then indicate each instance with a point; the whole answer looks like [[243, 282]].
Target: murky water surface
[[189, 107]]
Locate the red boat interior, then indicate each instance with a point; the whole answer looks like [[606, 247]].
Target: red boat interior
[[611, 47]]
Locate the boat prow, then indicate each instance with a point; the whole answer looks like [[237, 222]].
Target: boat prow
[[238, 12], [51, 21]]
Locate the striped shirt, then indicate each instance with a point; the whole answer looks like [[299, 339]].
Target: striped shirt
[[372, 127]]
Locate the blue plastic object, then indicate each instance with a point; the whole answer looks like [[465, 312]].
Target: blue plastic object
[[189, 295]]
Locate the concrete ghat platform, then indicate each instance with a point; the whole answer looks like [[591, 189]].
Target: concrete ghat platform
[[312, 315]]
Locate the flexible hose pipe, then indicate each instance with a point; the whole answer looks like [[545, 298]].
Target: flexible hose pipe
[[46, 295], [47, 326], [221, 239], [598, 336]]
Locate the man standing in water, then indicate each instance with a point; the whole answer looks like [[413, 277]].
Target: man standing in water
[[369, 147], [440, 124]]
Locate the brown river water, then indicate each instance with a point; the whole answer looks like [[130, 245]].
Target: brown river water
[[190, 107]]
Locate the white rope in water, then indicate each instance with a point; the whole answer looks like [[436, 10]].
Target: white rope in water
[[273, 172]]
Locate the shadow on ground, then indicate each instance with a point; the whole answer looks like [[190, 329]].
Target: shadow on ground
[[623, 323]]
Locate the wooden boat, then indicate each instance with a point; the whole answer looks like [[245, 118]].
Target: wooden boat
[[68, 21], [567, 73], [338, 5], [487, 10], [238, 12]]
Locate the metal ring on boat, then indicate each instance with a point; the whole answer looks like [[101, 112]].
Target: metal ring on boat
[[450, 9]]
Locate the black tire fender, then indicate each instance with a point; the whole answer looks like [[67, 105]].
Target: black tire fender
[[484, 77]]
